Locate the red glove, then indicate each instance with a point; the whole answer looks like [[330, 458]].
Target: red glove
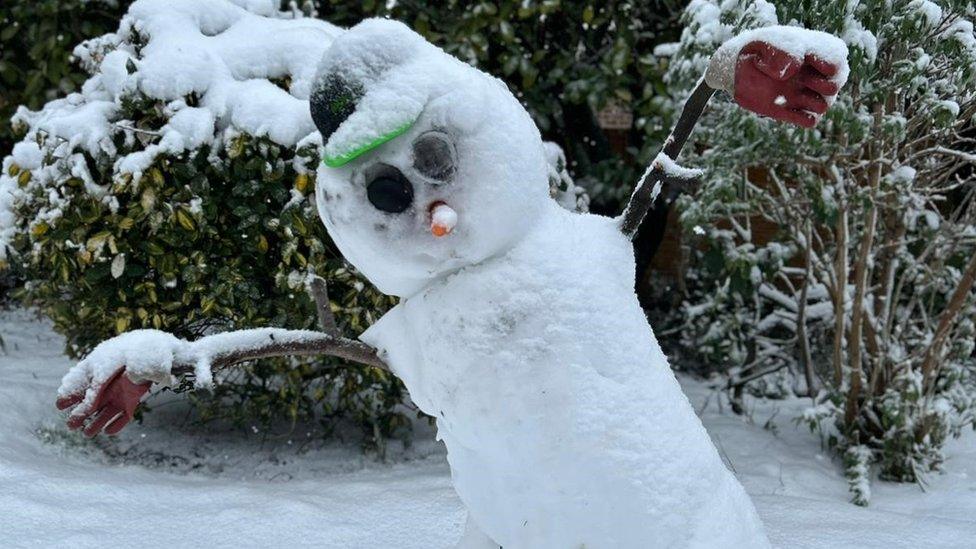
[[113, 408], [773, 83]]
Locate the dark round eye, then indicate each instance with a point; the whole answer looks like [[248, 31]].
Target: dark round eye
[[433, 156], [389, 191]]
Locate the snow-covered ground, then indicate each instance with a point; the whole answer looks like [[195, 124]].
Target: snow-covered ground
[[168, 483]]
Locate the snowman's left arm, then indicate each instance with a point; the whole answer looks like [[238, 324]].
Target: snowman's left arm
[[761, 77]]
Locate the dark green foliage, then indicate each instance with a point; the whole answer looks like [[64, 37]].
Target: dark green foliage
[[36, 39]]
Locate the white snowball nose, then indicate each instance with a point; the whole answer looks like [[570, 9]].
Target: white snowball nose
[[443, 218]]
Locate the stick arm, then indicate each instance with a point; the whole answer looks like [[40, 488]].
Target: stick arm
[[230, 348], [649, 185], [210, 353]]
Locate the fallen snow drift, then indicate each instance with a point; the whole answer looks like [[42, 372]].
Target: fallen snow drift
[[167, 484]]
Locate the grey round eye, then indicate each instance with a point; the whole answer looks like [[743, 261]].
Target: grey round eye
[[433, 156]]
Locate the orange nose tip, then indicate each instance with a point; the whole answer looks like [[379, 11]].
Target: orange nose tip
[[442, 219]]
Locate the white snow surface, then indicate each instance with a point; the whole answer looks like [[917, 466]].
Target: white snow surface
[[226, 55], [170, 483], [672, 168], [216, 49], [27, 155]]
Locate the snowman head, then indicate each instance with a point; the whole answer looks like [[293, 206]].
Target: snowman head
[[429, 164]]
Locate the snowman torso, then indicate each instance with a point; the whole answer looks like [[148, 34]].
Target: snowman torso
[[563, 422]]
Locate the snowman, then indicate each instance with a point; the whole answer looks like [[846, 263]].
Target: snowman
[[518, 328]]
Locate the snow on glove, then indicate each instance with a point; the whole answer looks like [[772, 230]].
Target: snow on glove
[[786, 73], [113, 408], [109, 383]]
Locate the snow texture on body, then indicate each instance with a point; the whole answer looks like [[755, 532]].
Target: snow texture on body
[[563, 422], [520, 332]]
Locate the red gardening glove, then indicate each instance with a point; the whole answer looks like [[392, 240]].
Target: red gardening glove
[[773, 83], [113, 407]]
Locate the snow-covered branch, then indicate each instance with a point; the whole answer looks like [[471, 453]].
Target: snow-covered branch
[[227, 349], [948, 319]]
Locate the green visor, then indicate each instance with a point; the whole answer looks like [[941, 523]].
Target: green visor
[[359, 150]]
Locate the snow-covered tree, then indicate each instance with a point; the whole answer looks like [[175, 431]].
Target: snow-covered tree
[[845, 257]]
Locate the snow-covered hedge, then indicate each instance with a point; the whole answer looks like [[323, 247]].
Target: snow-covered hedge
[[838, 263], [173, 192]]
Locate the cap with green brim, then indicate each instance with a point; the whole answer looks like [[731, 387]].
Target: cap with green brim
[[365, 96]]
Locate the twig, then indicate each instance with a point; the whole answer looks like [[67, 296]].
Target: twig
[[138, 130], [738, 382], [840, 285], [222, 350], [319, 289], [650, 183]]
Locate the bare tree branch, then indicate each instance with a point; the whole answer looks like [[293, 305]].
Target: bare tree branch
[[137, 130], [230, 348], [801, 317], [949, 316], [862, 267]]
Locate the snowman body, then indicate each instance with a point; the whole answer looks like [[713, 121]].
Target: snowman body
[[564, 424], [519, 331]]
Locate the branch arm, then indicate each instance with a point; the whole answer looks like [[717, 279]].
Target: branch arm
[[217, 351], [229, 348], [650, 183]]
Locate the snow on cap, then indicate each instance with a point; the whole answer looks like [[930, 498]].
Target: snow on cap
[[368, 89]]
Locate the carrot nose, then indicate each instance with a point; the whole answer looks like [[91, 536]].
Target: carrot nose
[[443, 218]]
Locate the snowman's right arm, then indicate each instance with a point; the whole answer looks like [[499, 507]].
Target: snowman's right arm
[[788, 74], [104, 389]]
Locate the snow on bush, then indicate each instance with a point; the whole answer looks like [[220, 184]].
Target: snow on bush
[[841, 259], [209, 70]]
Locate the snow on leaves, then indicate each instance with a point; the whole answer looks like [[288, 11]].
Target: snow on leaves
[[218, 69]]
